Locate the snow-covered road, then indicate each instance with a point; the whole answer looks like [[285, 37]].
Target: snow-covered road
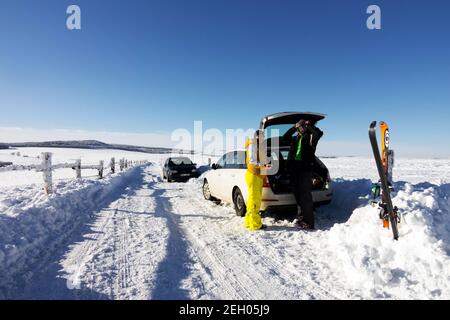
[[149, 239], [161, 240]]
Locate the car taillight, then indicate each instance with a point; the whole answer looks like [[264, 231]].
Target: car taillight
[[266, 183], [317, 183], [327, 182]]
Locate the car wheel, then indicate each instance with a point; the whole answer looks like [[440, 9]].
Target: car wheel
[[239, 203], [207, 192]]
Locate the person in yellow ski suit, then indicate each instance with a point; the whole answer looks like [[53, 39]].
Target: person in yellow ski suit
[[256, 160]]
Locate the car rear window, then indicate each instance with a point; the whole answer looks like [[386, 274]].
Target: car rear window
[[180, 161], [276, 130]]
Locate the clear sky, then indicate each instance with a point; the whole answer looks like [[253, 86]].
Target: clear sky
[[151, 66]]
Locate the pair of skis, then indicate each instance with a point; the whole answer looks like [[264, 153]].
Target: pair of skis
[[385, 163]]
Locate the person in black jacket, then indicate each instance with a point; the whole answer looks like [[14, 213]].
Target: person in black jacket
[[300, 163]]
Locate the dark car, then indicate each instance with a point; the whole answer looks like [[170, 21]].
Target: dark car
[[179, 169]]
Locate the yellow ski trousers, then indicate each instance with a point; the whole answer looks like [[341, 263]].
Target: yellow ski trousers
[[252, 216]]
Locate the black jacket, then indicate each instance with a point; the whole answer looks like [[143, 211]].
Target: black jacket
[[309, 144]]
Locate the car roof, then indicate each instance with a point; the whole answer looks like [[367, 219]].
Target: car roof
[[236, 150], [290, 118]]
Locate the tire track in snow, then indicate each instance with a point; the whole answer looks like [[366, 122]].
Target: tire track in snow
[[199, 257], [240, 272], [263, 277], [118, 256], [265, 273], [177, 274], [228, 276], [315, 290], [80, 256]]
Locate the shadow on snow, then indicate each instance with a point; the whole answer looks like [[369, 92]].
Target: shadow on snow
[[176, 265]]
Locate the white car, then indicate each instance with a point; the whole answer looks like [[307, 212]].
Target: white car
[[226, 180]]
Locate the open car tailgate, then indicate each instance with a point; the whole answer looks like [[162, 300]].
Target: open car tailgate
[[290, 118]]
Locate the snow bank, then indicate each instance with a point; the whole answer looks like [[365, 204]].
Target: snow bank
[[417, 265], [347, 196], [33, 226]]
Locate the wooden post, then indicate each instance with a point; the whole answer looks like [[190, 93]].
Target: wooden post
[[78, 169], [209, 162], [100, 169], [113, 165], [47, 172], [121, 164]]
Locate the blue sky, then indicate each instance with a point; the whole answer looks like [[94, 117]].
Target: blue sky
[[153, 66]]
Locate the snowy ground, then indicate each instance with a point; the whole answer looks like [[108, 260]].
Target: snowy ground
[[436, 171], [133, 236]]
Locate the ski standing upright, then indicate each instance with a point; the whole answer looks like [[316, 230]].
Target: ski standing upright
[[384, 163]]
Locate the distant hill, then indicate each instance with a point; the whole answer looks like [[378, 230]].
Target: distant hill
[[89, 144]]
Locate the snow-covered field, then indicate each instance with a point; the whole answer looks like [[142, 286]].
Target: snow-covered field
[[436, 171], [134, 236]]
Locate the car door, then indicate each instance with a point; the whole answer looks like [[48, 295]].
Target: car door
[[228, 176], [223, 177], [214, 178], [236, 168]]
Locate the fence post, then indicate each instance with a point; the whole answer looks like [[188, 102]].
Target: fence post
[[121, 164], [100, 169], [47, 172], [209, 162], [78, 168], [113, 165]]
